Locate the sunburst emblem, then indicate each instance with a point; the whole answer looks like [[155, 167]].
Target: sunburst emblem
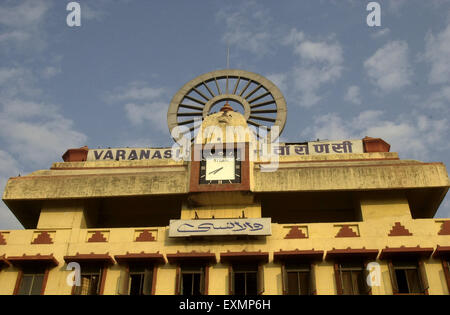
[[255, 97]]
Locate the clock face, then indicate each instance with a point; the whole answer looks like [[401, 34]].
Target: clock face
[[220, 167]]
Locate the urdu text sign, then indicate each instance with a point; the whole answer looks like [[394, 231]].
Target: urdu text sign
[[251, 226]]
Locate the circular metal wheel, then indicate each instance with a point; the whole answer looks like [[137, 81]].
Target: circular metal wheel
[[257, 98]]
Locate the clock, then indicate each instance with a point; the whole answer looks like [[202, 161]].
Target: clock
[[220, 167]]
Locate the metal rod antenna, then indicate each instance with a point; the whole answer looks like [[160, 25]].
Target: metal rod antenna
[[228, 56], [228, 62]]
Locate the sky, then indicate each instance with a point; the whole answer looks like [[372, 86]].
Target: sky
[[109, 82]]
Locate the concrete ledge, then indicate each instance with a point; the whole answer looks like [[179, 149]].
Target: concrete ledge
[[351, 177], [96, 185]]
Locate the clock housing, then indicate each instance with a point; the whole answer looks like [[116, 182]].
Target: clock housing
[[220, 168]]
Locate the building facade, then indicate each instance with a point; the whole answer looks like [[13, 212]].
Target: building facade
[[321, 217]]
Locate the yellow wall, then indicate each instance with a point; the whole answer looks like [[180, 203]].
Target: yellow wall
[[62, 214], [373, 235], [373, 179]]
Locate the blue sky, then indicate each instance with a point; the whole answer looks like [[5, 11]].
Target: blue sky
[[108, 83]]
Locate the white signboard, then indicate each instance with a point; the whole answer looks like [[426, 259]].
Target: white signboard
[[320, 147], [282, 149], [335, 147], [122, 154], [255, 226]]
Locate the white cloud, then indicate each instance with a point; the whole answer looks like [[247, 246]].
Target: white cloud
[[51, 71], [26, 14], [17, 81], [381, 33], [440, 99], [136, 91], [22, 23], [9, 167], [89, 12], [34, 132], [366, 118], [155, 113], [249, 28], [401, 135], [15, 36], [328, 127], [143, 142], [353, 95], [18, 109], [294, 38], [320, 62], [437, 53], [143, 103], [413, 136], [329, 53], [279, 79], [40, 139], [8, 74], [388, 68], [395, 5]]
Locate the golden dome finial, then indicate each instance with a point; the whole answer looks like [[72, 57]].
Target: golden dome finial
[[227, 108]]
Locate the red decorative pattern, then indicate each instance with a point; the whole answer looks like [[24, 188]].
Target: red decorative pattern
[[145, 236], [445, 228], [2, 239], [346, 231], [399, 230], [43, 238], [97, 237], [295, 232]]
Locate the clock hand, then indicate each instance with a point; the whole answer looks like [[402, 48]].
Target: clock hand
[[215, 171]]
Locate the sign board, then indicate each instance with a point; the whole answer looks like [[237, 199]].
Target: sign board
[[123, 154], [251, 226], [320, 147], [282, 149]]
